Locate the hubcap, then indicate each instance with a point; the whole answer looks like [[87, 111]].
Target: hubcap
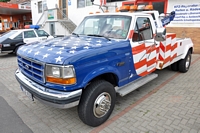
[[187, 63], [102, 104]]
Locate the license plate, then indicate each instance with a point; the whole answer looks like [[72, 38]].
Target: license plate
[[28, 94], [6, 45]]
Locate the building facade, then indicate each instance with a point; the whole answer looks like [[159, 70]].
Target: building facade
[[52, 15], [186, 23], [14, 16]]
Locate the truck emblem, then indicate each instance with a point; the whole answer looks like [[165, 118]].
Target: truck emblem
[[27, 66]]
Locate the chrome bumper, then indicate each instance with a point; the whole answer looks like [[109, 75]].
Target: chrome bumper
[[58, 99], [5, 52]]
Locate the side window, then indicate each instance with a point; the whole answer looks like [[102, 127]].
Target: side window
[[19, 36], [41, 33], [142, 30], [29, 34]]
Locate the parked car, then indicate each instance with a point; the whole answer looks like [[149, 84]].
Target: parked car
[[11, 40]]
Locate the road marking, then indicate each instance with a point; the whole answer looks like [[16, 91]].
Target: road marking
[[127, 109]]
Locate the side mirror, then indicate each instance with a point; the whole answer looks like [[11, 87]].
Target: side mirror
[[160, 34]]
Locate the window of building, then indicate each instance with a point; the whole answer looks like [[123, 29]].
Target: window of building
[[83, 3], [40, 7], [64, 9], [142, 30], [64, 4], [88, 3]]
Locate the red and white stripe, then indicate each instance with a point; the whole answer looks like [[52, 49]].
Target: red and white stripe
[[167, 50], [144, 57]]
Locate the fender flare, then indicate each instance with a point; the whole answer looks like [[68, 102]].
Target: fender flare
[[187, 48], [19, 44], [99, 71]]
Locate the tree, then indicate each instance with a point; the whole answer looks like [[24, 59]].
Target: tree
[[4, 0]]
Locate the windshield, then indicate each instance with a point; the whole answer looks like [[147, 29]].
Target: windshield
[[110, 26], [7, 35]]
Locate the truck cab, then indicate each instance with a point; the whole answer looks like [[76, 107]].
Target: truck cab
[[107, 54]]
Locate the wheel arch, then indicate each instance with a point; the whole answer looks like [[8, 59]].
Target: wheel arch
[[18, 45], [110, 77], [109, 74], [188, 46]]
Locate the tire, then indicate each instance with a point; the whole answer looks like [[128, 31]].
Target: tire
[[184, 64], [174, 66], [15, 51], [99, 92]]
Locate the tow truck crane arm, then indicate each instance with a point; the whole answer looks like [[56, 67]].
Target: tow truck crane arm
[[168, 18]]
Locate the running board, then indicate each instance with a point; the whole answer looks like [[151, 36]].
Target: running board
[[135, 84]]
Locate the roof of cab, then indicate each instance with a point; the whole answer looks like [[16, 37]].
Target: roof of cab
[[121, 13]]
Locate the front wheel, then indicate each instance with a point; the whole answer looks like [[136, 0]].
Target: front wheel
[[184, 64], [97, 103]]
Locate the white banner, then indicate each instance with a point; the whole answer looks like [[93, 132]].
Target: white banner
[[187, 13]]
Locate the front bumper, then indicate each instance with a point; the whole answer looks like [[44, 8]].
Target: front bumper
[[57, 99], [5, 52]]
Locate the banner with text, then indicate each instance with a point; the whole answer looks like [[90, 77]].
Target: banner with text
[[187, 13]]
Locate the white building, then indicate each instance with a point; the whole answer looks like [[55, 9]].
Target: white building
[[52, 15]]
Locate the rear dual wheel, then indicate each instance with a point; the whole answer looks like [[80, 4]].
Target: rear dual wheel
[[183, 65]]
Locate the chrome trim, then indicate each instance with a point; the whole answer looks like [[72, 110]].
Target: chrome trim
[[60, 106], [61, 66], [5, 52], [49, 93], [38, 62]]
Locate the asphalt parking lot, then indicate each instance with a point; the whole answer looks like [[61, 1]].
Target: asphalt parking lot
[[168, 104]]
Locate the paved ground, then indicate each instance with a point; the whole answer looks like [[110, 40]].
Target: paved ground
[[10, 121], [170, 103]]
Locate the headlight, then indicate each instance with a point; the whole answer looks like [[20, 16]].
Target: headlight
[[60, 74]]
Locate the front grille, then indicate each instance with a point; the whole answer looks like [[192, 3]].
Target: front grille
[[31, 69]]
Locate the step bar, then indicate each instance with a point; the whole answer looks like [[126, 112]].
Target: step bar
[[135, 84]]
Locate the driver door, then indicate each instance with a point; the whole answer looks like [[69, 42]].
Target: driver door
[[30, 36], [144, 49]]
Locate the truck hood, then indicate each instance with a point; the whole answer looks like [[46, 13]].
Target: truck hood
[[58, 50]]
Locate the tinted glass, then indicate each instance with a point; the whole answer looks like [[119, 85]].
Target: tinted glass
[[7, 35], [19, 36], [29, 34], [111, 26], [41, 33], [143, 29]]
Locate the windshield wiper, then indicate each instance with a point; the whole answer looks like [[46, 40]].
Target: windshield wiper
[[98, 36], [75, 34]]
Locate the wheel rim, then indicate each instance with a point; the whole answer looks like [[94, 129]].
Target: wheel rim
[[102, 104], [187, 63]]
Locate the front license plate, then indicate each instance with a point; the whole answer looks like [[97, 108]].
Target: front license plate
[[28, 94]]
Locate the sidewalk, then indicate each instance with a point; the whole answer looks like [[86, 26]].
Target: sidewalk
[[168, 104]]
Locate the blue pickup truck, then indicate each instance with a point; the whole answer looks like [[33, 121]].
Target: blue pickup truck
[[107, 54]]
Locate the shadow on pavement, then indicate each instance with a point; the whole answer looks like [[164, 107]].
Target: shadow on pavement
[[10, 122]]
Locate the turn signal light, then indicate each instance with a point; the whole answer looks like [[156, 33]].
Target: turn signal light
[[67, 81]]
